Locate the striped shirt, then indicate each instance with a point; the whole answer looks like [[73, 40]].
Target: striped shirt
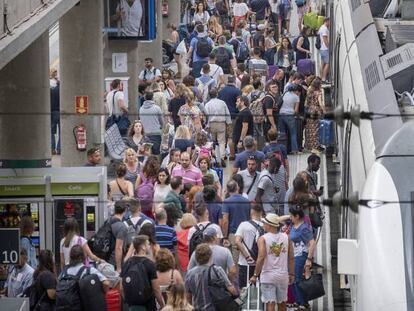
[[166, 236], [192, 175]]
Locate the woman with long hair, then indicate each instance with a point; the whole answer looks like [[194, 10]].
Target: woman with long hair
[[144, 186], [270, 46], [182, 139], [303, 45], [176, 102], [187, 222], [201, 15], [71, 238], [191, 197], [44, 280], [120, 187], [313, 106], [149, 171], [284, 57], [214, 27], [174, 159], [177, 299], [136, 139], [174, 40], [167, 77], [132, 164], [190, 114], [166, 272], [162, 187], [205, 167]]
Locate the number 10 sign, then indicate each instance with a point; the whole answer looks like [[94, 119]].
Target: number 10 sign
[[9, 245]]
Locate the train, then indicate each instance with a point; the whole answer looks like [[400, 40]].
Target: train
[[372, 70]]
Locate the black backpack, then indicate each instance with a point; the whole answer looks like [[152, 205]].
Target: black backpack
[[137, 288], [203, 47], [91, 292], [254, 250], [102, 244], [196, 238], [318, 42], [295, 43], [67, 291], [223, 59]]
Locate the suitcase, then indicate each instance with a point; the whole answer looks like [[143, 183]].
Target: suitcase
[[113, 300], [326, 133], [271, 72], [306, 67]]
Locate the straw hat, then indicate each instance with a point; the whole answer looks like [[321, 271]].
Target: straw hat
[[272, 220]]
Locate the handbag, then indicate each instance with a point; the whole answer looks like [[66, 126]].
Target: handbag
[[312, 288], [220, 297], [316, 218], [181, 48]]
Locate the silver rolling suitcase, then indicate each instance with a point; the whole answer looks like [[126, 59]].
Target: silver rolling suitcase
[[253, 301]]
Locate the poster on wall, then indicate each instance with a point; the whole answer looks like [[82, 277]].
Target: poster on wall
[[130, 19]]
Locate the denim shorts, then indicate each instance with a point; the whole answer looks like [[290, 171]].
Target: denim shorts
[[325, 56], [274, 292]]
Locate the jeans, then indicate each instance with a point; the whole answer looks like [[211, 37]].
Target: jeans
[[287, 123], [197, 68], [156, 141], [55, 125], [299, 268]]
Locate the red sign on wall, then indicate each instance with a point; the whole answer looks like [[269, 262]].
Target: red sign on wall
[[81, 104]]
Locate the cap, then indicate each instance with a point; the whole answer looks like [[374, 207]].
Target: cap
[[209, 232]]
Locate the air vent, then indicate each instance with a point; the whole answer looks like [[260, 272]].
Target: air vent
[[394, 61], [355, 4], [409, 54], [371, 75]]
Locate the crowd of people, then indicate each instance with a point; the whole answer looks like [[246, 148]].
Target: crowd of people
[[174, 230]]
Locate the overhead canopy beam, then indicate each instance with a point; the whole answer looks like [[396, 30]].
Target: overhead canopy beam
[[26, 33]]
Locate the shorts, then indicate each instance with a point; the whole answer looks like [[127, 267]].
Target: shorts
[[324, 56], [274, 292]]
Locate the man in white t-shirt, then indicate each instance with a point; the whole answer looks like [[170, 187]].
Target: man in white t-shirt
[[150, 73], [129, 16], [246, 234], [115, 103], [324, 50], [216, 72]]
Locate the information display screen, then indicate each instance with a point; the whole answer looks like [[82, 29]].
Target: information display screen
[[130, 19]]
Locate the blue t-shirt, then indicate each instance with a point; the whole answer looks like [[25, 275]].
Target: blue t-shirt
[[238, 208], [214, 212], [193, 44], [166, 236], [241, 159], [272, 147], [229, 95], [300, 238]]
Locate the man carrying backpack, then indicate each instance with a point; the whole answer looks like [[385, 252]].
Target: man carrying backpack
[[134, 223], [75, 289], [118, 231], [275, 263], [224, 56], [247, 234], [271, 107], [200, 49], [205, 83], [139, 278]]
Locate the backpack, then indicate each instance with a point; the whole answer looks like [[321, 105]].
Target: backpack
[[295, 43], [223, 59], [277, 153], [300, 3], [68, 292], [318, 42], [242, 52], [203, 47], [146, 71], [254, 250], [256, 108], [196, 238], [137, 288], [34, 301], [132, 232], [276, 104], [145, 194], [204, 89], [91, 292], [102, 243]]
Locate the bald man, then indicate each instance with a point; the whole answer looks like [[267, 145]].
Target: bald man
[[190, 174]]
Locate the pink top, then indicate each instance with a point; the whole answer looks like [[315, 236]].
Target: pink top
[[192, 175], [275, 267]]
